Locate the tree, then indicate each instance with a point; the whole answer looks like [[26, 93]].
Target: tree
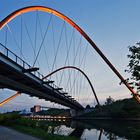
[[134, 65], [109, 100], [88, 107]]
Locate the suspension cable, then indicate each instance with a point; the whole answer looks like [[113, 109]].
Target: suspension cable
[[31, 43], [59, 42], [15, 41], [41, 32], [42, 41], [6, 36]]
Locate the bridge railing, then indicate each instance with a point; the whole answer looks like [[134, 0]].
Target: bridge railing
[[11, 55], [8, 53]]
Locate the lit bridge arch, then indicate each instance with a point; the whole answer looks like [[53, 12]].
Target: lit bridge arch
[[65, 18]]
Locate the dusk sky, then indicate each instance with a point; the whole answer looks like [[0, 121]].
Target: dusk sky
[[112, 24]]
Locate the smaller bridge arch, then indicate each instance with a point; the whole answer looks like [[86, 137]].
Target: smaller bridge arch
[[78, 69]]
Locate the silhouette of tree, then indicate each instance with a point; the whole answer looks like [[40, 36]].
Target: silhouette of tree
[[88, 107], [109, 100], [134, 65]]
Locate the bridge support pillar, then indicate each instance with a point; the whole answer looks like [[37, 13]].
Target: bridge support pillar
[[77, 113]]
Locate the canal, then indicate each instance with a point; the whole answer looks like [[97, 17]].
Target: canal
[[95, 129]]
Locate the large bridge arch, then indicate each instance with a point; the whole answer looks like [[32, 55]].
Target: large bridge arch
[[65, 18]]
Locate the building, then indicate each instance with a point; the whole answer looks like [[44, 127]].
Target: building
[[36, 108]]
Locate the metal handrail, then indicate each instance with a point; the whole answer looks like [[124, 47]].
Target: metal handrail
[[17, 59]]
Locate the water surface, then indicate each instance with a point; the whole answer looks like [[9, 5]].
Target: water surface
[[96, 130]]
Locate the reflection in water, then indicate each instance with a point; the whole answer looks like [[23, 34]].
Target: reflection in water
[[63, 130], [111, 136], [100, 136], [92, 134], [96, 130]]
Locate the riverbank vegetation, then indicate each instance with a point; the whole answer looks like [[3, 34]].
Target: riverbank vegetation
[[126, 108], [32, 127], [55, 112], [133, 67]]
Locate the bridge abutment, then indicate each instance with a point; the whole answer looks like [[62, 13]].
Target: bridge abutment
[[77, 113]]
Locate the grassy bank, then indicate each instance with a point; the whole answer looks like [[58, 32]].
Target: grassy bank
[[31, 127], [40, 133]]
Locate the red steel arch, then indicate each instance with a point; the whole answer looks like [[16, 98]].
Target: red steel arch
[[73, 67], [65, 18]]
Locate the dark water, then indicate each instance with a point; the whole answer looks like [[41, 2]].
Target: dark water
[[96, 130]]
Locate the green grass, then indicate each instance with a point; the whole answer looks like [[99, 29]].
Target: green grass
[[40, 133], [31, 127]]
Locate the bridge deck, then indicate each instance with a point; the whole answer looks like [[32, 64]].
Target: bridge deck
[[13, 77]]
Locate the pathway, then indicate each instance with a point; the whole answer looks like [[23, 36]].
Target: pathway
[[10, 134]]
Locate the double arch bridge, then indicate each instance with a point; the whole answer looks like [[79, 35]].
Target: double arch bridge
[[18, 75]]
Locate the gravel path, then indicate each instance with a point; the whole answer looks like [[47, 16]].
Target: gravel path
[[10, 134]]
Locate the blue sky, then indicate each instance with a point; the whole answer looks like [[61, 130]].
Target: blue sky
[[112, 24]]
